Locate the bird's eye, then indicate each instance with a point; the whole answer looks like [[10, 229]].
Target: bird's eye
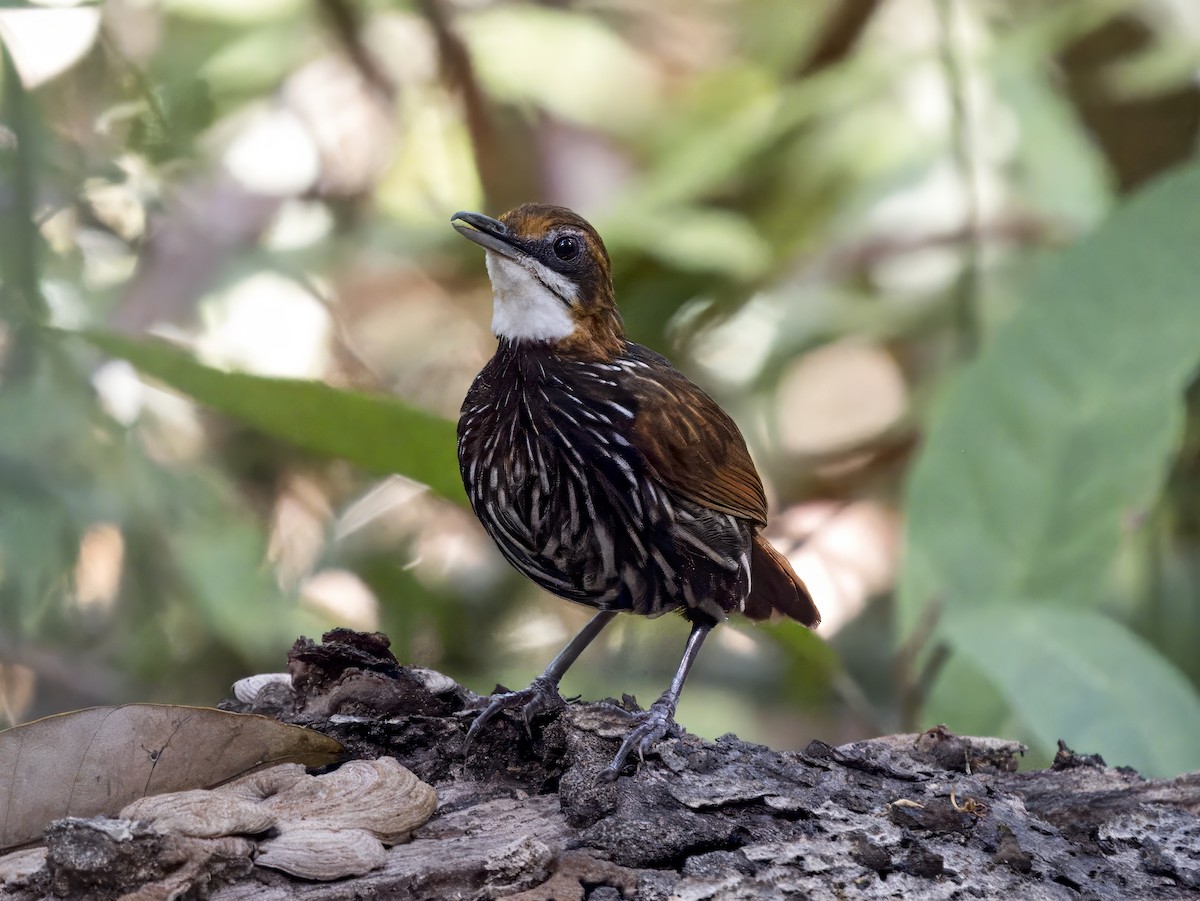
[[566, 248]]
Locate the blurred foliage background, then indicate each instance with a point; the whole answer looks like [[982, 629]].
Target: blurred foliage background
[[890, 236]]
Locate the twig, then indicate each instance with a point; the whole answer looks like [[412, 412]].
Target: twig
[[344, 20], [843, 29], [365, 375], [1017, 230], [914, 687], [459, 72]]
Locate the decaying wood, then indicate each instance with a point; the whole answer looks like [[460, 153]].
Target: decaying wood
[[931, 816]]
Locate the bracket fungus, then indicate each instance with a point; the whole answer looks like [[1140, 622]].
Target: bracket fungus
[[316, 827]]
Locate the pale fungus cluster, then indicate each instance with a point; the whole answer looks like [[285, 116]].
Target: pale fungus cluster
[[318, 827], [321, 828]]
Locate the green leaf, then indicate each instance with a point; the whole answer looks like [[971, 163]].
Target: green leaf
[[378, 433], [1047, 451], [811, 663], [599, 79], [233, 12], [32, 4], [968, 701], [695, 239], [230, 593], [1060, 435], [1086, 679], [1059, 169]]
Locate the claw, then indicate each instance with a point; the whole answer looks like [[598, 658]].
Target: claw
[[539, 697], [650, 727]]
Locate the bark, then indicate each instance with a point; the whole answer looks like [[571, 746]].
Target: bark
[[931, 816]]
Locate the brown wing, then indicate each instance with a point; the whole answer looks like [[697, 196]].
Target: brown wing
[[692, 444], [696, 449]]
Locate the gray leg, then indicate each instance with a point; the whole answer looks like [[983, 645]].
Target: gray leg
[[558, 667], [657, 721], [542, 694]]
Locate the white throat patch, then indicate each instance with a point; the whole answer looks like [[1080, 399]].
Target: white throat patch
[[523, 308]]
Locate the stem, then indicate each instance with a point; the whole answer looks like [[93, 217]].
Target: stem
[[969, 285], [22, 306]]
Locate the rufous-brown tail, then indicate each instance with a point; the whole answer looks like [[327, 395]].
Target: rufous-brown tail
[[775, 587]]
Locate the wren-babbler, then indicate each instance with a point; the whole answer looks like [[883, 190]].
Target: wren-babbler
[[600, 470]]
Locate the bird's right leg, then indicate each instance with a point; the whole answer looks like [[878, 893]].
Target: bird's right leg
[[542, 694]]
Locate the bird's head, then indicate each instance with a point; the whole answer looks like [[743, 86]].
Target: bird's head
[[550, 277]]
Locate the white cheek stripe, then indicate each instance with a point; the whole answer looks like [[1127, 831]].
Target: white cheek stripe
[[529, 303]]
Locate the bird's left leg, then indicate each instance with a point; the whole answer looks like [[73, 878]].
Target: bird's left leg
[[542, 694], [655, 722]]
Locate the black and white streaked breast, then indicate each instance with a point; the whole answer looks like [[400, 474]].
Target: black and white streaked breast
[[545, 446]]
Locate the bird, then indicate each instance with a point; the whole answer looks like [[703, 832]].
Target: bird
[[602, 472]]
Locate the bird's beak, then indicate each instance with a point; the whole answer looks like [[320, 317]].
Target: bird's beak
[[488, 233]]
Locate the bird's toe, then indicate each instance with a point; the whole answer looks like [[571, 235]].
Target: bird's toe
[[540, 697], [651, 727]]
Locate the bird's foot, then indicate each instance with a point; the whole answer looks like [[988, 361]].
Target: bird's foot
[[541, 696], [649, 727]]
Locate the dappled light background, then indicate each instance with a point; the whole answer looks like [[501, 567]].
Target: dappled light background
[[820, 211]]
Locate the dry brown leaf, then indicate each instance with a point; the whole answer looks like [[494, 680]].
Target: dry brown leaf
[[96, 761]]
